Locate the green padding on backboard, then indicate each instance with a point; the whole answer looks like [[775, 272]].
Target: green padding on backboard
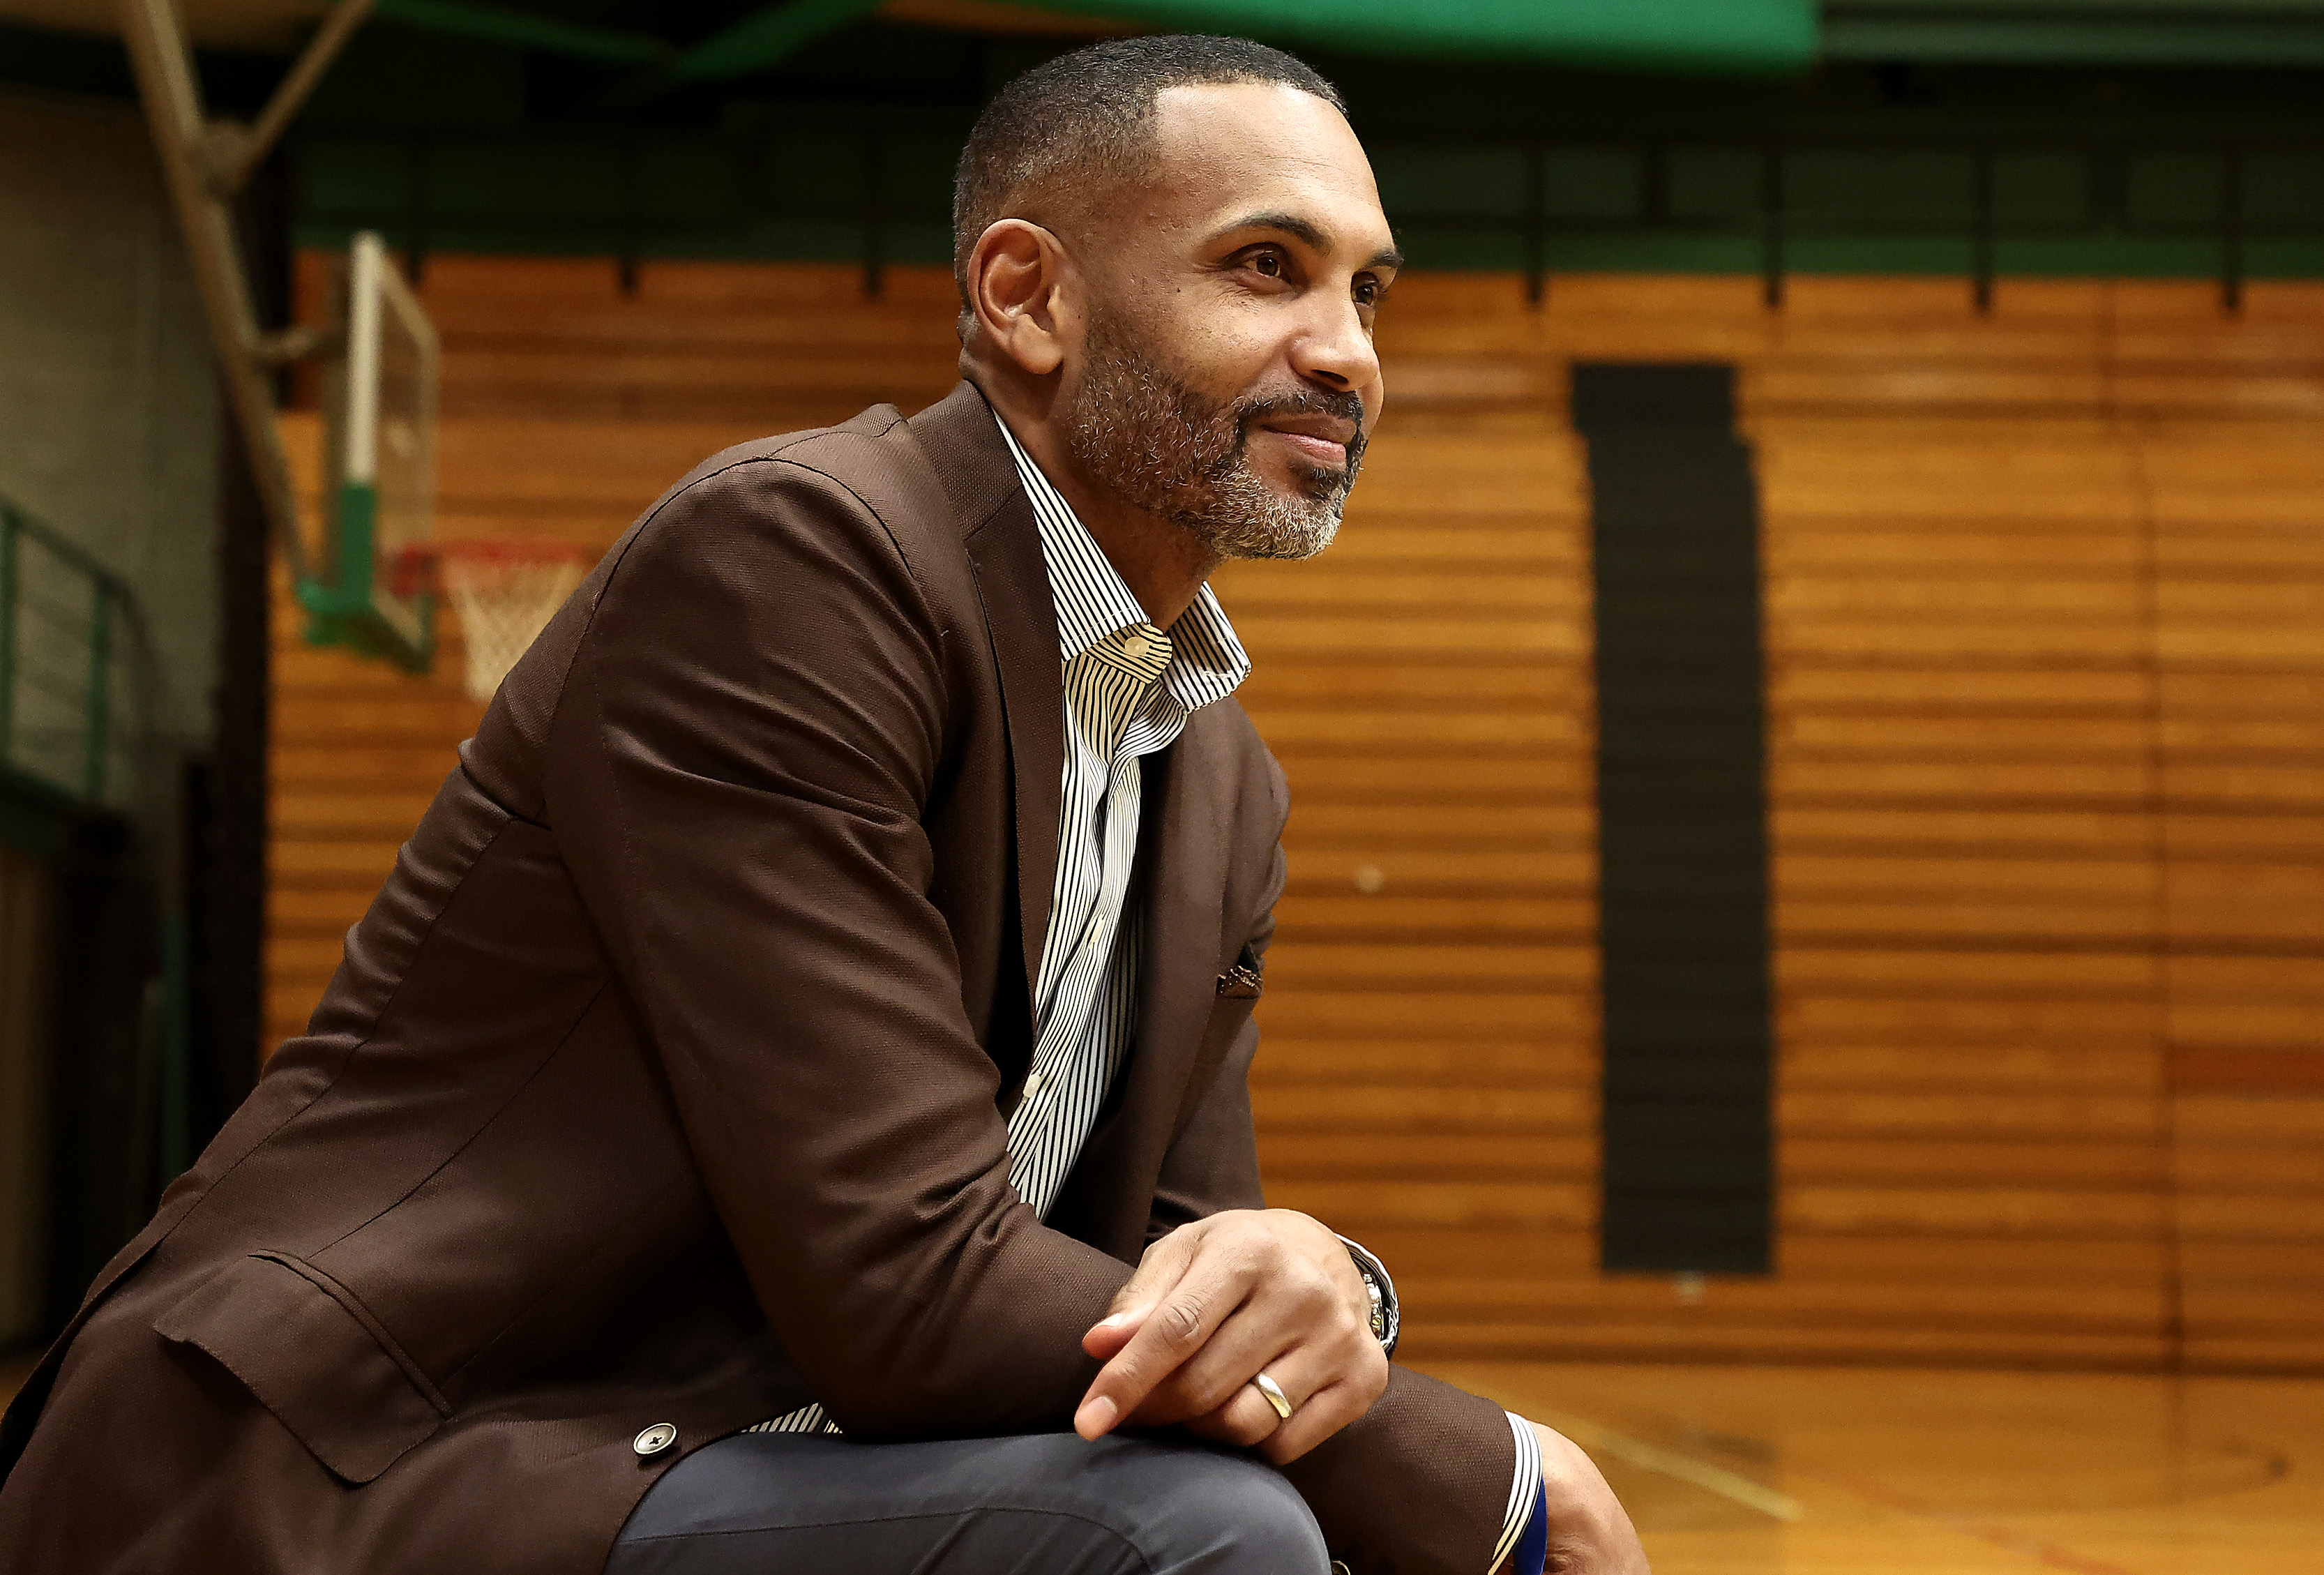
[[346, 610]]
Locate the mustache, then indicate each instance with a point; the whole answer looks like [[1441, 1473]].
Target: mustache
[[1304, 402]]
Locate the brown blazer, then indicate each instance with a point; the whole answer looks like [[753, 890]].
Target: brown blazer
[[663, 1082]]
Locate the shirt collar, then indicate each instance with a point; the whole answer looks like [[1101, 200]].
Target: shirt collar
[[1207, 661]]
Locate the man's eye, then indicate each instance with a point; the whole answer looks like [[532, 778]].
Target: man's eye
[[1268, 265], [1367, 294]]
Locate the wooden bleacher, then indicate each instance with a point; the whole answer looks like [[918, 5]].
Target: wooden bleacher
[[2045, 596]]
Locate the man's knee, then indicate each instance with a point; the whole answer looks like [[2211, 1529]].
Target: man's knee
[[1220, 1515]]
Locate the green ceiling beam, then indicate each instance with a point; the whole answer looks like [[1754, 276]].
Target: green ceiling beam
[[1738, 36], [530, 29], [1748, 36], [1743, 36], [764, 39], [2025, 32]]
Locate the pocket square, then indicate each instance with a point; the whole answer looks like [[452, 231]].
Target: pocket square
[[1240, 982]]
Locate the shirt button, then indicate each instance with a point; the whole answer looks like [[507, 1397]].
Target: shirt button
[[1133, 646], [1032, 1083], [655, 1439]]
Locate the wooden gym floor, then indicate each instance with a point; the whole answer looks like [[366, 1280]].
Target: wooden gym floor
[[1761, 1471]]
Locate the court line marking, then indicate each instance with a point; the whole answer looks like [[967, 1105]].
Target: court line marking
[[2041, 1550], [1638, 1452], [1743, 1491]]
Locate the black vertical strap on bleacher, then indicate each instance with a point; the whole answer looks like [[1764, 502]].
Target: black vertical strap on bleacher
[[2231, 231], [1536, 222], [1981, 236], [1772, 197], [875, 212], [1683, 824]]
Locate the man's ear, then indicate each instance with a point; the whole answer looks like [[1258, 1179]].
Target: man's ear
[[1020, 295]]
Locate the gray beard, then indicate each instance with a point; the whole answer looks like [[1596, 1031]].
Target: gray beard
[[1140, 431]]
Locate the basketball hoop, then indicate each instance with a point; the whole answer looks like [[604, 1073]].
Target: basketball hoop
[[504, 590]]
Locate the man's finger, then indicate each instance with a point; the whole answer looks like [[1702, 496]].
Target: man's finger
[[1247, 1416], [1232, 1428], [1205, 1295], [1326, 1411], [1158, 1272], [1106, 1337], [1258, 1335]]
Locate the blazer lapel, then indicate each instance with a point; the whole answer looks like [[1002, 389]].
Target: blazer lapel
[[1187, 839], [1186, 822], [1186, 817], [962, 440]]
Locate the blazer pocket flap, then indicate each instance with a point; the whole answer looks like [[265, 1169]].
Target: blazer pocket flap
[[312, 1354]]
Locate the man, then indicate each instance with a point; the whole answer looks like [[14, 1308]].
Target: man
[[725, 1145]]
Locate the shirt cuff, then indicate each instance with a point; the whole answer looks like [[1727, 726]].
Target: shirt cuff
[[1524, 1493]]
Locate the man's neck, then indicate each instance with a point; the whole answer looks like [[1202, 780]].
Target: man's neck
[[1163, 563]]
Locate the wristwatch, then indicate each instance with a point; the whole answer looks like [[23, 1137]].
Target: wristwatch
[[1382, 1292]]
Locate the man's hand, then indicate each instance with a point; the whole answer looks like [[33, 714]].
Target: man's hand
[[1217, 1301], [1590, 1531]]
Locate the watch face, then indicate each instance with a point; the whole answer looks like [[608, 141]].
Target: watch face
[[1380, 1323]]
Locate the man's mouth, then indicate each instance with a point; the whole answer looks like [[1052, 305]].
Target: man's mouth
[[1321, 451]]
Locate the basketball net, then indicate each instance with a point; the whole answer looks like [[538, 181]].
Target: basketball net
[[504, 593]]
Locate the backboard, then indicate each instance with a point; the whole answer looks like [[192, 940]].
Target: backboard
[[379, 436]]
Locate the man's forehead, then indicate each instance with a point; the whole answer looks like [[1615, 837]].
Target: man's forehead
[[1248, 149]]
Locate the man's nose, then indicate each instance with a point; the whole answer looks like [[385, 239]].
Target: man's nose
[[1334, 350]]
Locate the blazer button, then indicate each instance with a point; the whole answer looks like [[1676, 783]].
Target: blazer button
[[1339, 1568], [655, 1439]]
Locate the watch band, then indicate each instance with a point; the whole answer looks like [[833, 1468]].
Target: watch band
[[1386, 1321]]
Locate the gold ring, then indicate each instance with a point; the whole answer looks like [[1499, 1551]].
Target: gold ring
[[1275, 1395]]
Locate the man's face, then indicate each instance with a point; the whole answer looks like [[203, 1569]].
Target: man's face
[[1227, 380]]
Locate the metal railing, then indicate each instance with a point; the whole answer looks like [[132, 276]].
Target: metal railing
[[69, 700]]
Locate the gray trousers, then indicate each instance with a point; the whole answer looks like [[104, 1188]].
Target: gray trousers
[[784, 1504]]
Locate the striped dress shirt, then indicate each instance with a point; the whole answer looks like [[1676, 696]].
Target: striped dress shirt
[[1129, 689]]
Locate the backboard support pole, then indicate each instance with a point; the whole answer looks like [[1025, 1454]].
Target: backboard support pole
[[235, 152], [202, 167]]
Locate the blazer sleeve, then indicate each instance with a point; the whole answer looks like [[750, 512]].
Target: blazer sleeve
[[1420, 1484], [747, 735]]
